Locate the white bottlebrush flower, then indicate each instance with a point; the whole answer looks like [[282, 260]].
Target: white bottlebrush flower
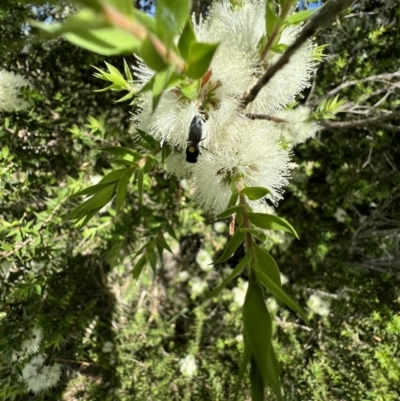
[[204, 260], [233, 143], [198, 286], [107, 347], [340, 215], [297, 129], [252, 150], [38, 377], [30, 345], [10, 91], [318, 305], [239, 293], [188, 365], [183, 276]]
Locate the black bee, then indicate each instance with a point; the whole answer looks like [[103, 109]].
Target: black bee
[[195, 134]]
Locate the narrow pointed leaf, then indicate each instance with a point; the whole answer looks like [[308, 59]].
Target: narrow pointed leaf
[[200, 56], [192, 90], [257, 233], [160, 83], [268, 264], [151, 57], [171, 16], [255, 193], [139, 267], [187, 38], [228, 212], [152, 258], [299, 16], [256, 382], [140, 186], [235, 272], [89, 191], [164, 244], [279, 293], [271, 222], [114, 175], [242, 370], [257, 326], [231, 246], [233, 199], [127, 71], [122, 189]]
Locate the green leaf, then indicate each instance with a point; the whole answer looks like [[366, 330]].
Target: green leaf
[[164, 244], [231, 246], [145, 19], [128, 96], [254, 193], [278, 293], [270, 17], [97, 201], [253, 231], [114, 175], [257, 327], [192, 90], [271, 222], [281, 48], [171, 16], [124, 162], [122, 189], [160, 83], [233, 199], [127, 71], [146, 137], [200, 56], [140, 187], [298, 17], [125, 6], [185, 41], [168, 228], [38, 289], [268, 264], [151, 57], [228, 212], [242, 370], [89, 191], [107, 41], [137, 270], [256, 382], [152, 258], [235, 272]]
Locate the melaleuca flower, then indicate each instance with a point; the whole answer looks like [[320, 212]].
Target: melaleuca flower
[[39, 377], [30, 345], [10, 91], [297, 129], [233, 143]]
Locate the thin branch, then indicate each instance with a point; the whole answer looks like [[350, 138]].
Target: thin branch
[[360, 123], [320, 18], [389, 127], [265, 117], [379, 77]]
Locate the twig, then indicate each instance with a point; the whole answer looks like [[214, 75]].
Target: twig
[[360, 123], [322, 17], [379, 77], [265, 117]]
